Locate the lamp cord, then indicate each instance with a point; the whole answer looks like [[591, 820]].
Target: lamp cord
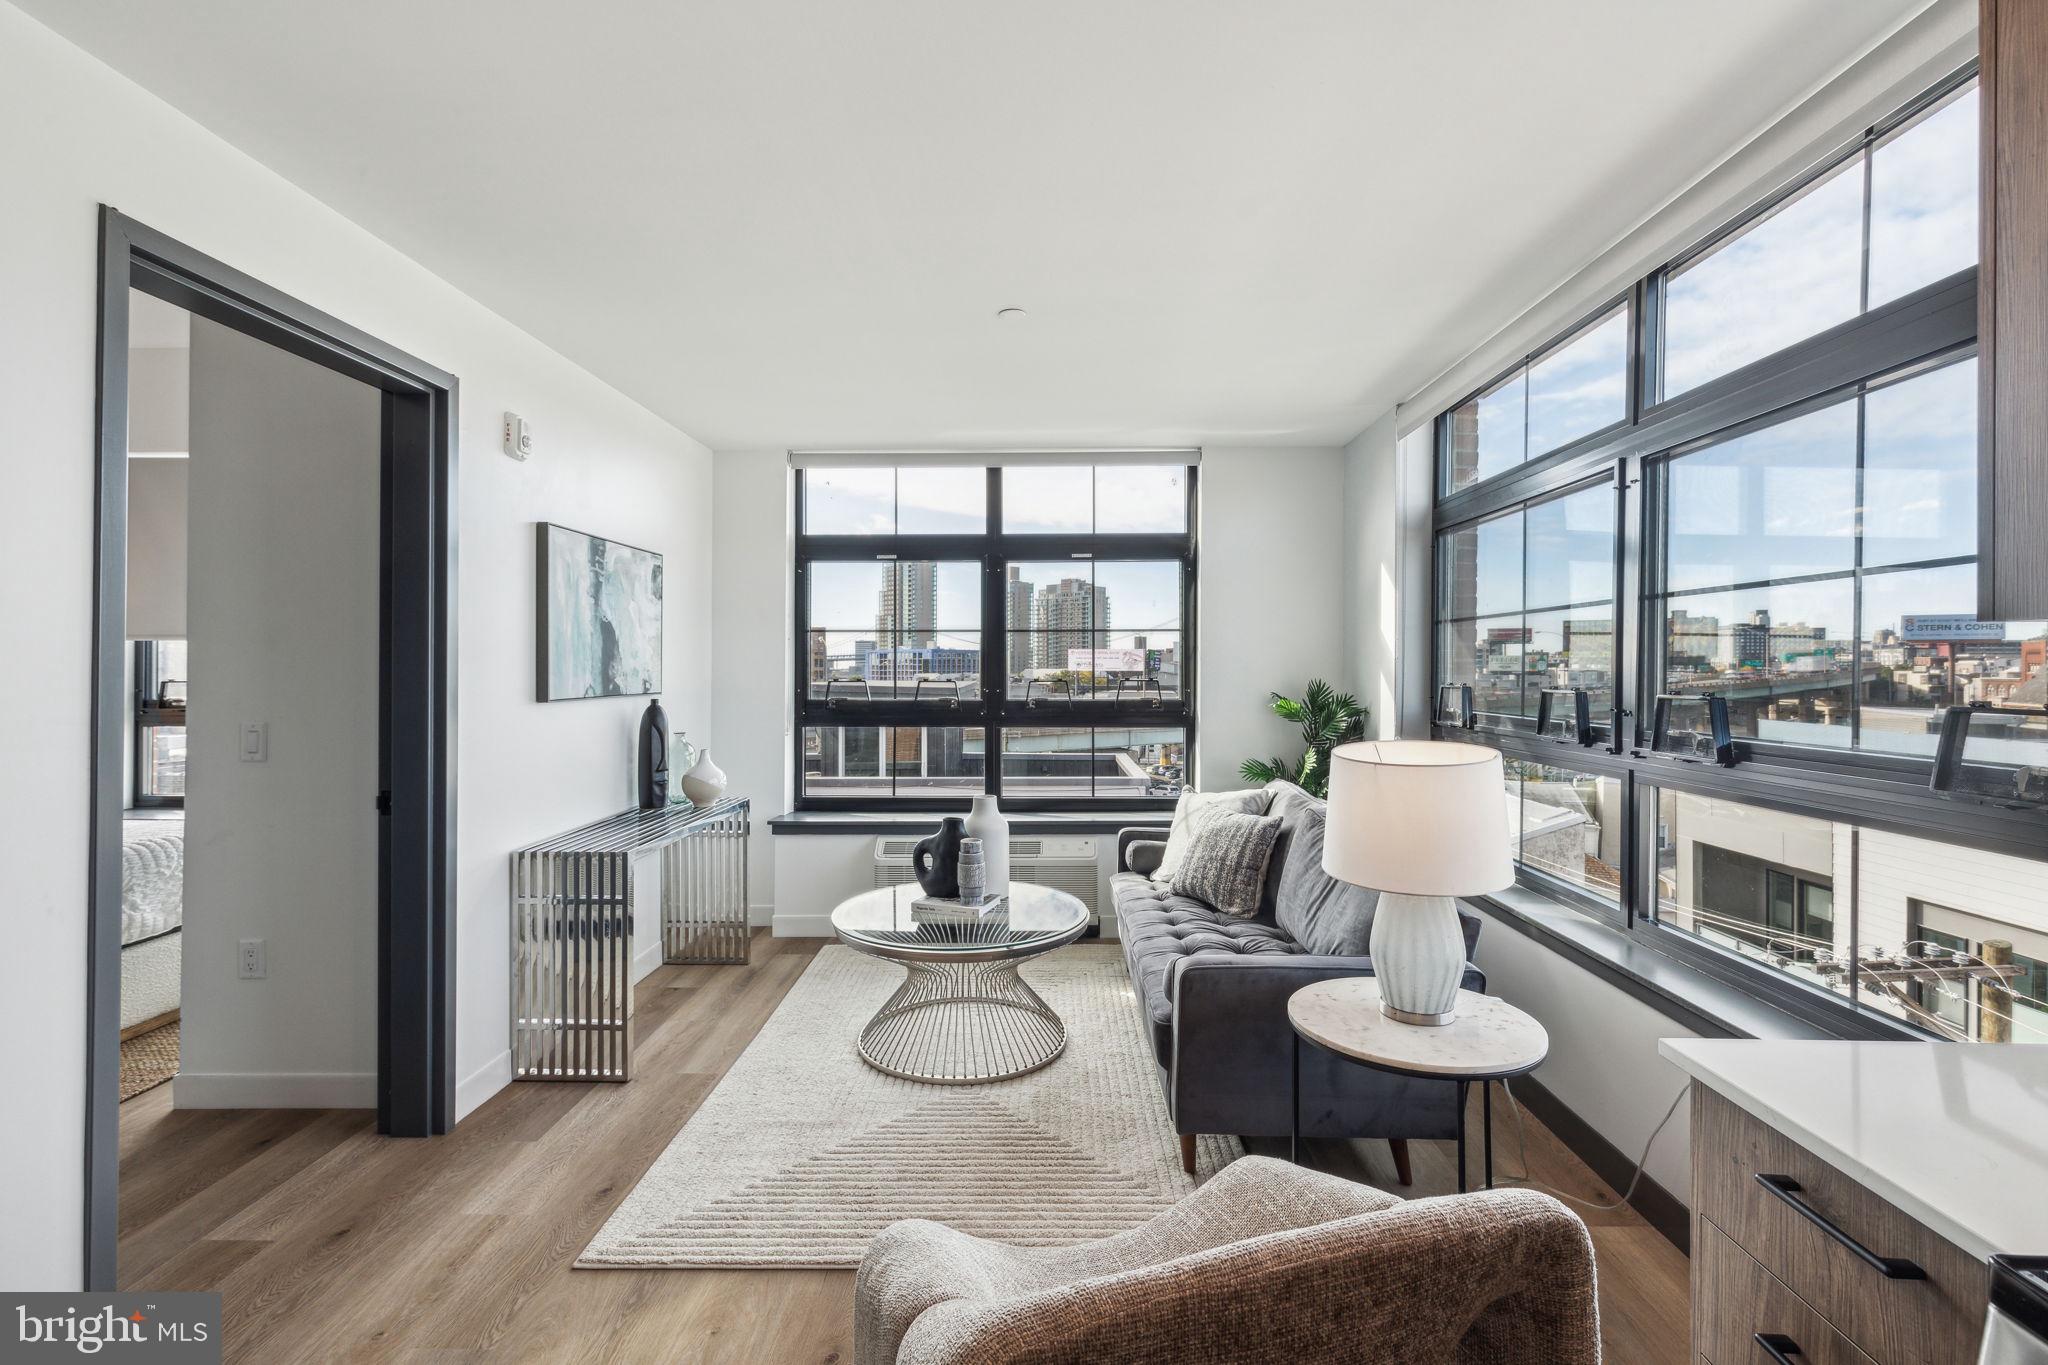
[[1522, 1154]]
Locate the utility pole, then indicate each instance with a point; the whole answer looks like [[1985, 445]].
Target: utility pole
[[1994, 994]]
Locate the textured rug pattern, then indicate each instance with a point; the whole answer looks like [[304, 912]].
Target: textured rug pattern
[[803, 1152], [149, 1059]]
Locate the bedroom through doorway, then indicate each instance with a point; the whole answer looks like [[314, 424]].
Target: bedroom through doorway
[[249, 850]]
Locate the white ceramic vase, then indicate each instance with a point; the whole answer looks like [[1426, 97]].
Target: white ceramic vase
[[986, 823], [704, 783]]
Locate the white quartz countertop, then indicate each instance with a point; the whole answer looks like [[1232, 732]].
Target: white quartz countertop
[[1956, 1134]]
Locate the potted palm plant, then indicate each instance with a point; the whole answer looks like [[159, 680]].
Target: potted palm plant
[[1327, 718]]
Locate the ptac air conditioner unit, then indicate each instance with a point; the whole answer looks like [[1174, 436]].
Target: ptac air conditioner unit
[[1065, 862]]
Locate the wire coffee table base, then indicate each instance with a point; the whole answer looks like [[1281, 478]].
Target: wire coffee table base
[[962, 1023]]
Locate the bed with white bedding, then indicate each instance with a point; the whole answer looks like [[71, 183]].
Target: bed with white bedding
[[152, 915]]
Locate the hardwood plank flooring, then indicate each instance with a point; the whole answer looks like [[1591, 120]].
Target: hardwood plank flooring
[[328, 1242]]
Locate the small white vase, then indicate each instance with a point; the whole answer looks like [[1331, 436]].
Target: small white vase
[[704, 783], [986, 823]]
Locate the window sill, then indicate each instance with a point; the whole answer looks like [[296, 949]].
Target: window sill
[[805, 822], [1682, 993]]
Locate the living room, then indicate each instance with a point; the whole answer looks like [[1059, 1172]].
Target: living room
[[1323, 682]]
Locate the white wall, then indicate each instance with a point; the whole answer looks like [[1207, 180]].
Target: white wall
[[284, 632], [525, 770], [158, 397], [751, 704], [1372, 589], [157, 533], [1603, 1062], [1270, 601]]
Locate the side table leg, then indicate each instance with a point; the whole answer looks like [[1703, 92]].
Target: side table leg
[[1461, 1137], [1486, 1105], [1294, 1107]]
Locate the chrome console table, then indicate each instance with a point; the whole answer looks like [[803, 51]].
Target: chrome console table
[[572, 929]]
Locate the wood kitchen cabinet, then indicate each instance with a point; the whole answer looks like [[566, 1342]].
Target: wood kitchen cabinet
[[2012, 313]]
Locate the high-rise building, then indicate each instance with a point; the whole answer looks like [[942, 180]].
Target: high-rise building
[[908, 612], [1072, 614], [1017, 616]]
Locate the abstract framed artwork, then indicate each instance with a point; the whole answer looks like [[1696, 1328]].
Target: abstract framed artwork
[[600, 616]]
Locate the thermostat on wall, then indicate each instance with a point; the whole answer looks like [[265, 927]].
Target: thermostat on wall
[[518, 436]]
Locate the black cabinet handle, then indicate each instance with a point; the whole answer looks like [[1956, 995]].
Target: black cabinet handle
[[1891, 1267], [1779, 1347]]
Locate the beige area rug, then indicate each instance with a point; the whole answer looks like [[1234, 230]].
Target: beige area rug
[[803, 1152], [148, 1059]]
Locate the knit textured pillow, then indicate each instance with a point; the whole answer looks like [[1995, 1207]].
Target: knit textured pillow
[[1226, 862]]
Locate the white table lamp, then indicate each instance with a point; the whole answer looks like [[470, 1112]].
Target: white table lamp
[[1421, 822]]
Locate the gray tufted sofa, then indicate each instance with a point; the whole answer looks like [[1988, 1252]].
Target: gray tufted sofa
[[1213, 989]]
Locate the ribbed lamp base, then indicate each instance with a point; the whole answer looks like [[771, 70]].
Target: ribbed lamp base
[[1418, 954]]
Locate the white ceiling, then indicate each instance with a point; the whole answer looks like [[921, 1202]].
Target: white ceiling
[[782, 223]]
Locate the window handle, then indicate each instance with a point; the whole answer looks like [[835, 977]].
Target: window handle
[[1779, 1347], [1786, 1189]]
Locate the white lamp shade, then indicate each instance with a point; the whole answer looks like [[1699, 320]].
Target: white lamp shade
[[1419, 818]]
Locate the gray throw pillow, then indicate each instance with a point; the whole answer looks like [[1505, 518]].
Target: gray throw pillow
[[1226, 862]]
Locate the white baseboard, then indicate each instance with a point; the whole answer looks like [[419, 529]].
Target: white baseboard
[[646, 960], [803, 926], [762, 915], [479, 1085], [274, 1090]]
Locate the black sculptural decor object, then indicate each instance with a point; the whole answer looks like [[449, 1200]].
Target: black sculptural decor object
[[653, 756], [937, 860]]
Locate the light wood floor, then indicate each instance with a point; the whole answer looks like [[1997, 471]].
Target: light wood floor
[[330, 1243]]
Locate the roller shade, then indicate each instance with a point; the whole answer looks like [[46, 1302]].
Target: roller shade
[[982, 459]]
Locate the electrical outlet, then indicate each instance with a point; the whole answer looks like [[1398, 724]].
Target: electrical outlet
[[254, 963]]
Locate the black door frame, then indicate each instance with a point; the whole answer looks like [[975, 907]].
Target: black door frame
[[416, 710]]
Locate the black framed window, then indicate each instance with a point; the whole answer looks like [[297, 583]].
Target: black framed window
[[1781, 523], [1040, 613], [1525, 603], [1895, 215], [161, 688], [1573, 388]]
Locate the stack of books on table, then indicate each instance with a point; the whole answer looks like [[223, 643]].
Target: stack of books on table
[[941, 910]]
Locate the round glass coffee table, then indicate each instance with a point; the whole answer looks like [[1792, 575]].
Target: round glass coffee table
[[962, 1015]]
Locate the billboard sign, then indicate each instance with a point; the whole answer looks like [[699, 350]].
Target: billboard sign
[[1951, 626], [1107, 660]]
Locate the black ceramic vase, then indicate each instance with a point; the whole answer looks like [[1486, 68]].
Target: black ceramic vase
[[653, 756], [937, 860]]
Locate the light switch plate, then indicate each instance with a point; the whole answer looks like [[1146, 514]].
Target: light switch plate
[[256, 741]]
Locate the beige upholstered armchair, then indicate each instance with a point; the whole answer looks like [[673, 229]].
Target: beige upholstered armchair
[[1266, 1262]]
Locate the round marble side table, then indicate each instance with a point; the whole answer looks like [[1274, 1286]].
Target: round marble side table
[[1488, 1040]]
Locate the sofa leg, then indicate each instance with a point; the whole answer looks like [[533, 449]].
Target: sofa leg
[[1402, 1169], [1187, 1152]]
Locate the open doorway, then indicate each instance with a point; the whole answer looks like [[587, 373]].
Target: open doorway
[[273, 713], [158, 684]]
